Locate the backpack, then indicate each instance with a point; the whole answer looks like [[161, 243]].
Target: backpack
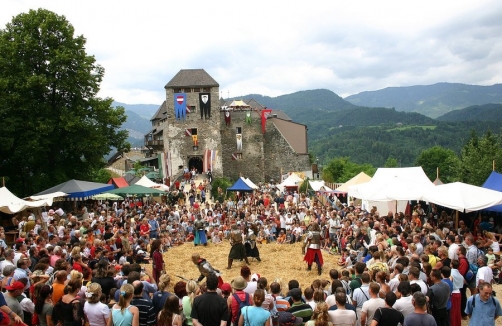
[[242, 304], [470, 275], [474, 301]]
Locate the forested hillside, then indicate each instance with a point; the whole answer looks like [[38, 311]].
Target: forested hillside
[[487, 112], [376, 144], [430, 100]]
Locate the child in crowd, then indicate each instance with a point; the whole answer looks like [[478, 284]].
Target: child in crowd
[[491, 257]]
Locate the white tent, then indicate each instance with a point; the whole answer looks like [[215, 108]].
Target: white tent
[[11, 204], [292, 181], [463, 197], [318, 185], [48, 196], [250, 183], [145, 182], [360, 178], [391, 188]]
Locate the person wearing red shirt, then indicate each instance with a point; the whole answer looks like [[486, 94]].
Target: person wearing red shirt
[[157, 260], [144, 229]]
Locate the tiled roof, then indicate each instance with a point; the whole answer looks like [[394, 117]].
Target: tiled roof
[[161, 112], [192, 78]]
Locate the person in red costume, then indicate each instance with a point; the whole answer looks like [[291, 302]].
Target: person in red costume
[[157, 260]]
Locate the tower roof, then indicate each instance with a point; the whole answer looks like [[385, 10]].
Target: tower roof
[[192, 78]]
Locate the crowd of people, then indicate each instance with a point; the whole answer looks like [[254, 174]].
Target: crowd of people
[[73, 268]]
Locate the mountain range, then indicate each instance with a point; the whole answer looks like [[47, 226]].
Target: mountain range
[[430, 100], [372, 126]]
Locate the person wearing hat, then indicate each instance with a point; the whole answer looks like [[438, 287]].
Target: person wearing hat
[[288, 319], [30, 224], [238, 284], [13, 291], [237, 251]]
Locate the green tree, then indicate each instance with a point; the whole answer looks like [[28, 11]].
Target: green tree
[[477, 157], [102, 176], [54, 127], [342, 169], [222, 183], [391, 162], [440, 158]]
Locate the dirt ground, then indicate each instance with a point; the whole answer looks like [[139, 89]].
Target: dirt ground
[[279, 262]]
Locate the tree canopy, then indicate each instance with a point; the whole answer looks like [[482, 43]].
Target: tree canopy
[[54, 126]]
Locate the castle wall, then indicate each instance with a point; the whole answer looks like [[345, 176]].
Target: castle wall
[[179, 145], [263, 155]]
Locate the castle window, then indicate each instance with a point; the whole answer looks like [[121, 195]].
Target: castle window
[[238, 130], [206, 89], [177, 90], [188, 90], [196, 90], [192, 108]]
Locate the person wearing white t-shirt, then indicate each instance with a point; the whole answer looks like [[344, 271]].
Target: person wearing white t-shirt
[[453, 247], [342, 316], [403, 304], [370, 306], [414, 277], [484, 273]]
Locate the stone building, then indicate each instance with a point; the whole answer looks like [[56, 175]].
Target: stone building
[[194, 128]]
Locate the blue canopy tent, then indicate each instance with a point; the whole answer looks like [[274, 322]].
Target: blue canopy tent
[[240, 185], [78, 190], [494, 182]]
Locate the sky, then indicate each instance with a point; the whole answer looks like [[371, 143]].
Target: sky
[[278, 47]]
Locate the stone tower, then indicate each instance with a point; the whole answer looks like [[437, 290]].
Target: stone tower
[[193, 139]]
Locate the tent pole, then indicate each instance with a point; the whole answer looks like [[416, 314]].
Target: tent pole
[[437, 172], [493, 165], [456, 219]]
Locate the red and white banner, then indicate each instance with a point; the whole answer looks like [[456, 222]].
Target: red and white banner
[[234, 156], [264, 115], [188, 132], [188, 109]]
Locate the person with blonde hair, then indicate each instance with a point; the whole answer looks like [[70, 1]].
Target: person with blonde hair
[[77, 276], [123, 313], [170, 313], [98, 313], [192, 289], [320, 316]]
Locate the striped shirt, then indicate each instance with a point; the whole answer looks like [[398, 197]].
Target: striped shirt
[[146, 312]]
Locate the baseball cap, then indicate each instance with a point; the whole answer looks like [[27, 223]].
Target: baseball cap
[[289, 318], [15, 286], [226, 287]]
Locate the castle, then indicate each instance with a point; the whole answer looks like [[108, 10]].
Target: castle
[[194, 128]]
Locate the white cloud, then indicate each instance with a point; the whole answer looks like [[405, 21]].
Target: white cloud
[[278, 47]]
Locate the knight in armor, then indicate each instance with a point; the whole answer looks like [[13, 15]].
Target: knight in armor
[[250, 245], [205, 268], [312, 244], [237, 251], [200, 231]]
